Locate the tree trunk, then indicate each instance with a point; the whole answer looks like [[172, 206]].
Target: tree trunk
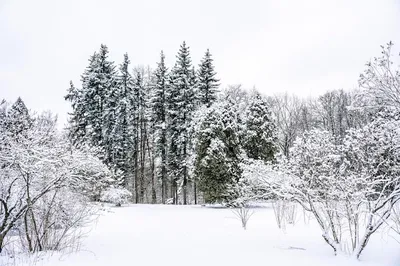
[[39, 244], [1, 242], [143, 137], [185, 177], [28, 238], [195, 191], [174, 192], [152, 168], [163, 168], [136, 158]]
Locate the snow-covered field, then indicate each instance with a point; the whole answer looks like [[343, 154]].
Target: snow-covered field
[[194, 235]]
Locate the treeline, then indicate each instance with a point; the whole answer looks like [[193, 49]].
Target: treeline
[[169, 132], [159, 130], [141, 121]]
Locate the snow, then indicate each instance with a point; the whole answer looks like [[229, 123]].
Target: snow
[[198, 235]]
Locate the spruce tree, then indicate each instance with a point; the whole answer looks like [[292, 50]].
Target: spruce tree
[[3, 114], [207, 82], [159, 105], [182, 104], [173, 134], [94, 105], [91, 102], [259, 138], [137, 94], [76, 122], [107, 77], [18, 119], [124, 131]]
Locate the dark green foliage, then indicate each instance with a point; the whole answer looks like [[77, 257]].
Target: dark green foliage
[[218, 159], [259, 138], [207, 82], [159, 119], [18, 120], [181, 98], [123, 132], [95, 107]]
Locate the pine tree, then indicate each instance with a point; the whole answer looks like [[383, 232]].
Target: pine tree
[[124, 131], [194, 84], [107, 77], [207, 82], [94, 106], [159, 105], [95, 103], [217, 165], [91, 103], [140, 121], [259, 138], [149, 137], [3, 115], [18, 119], [173, 133], [77, 122], [137, 99], [182, 104]]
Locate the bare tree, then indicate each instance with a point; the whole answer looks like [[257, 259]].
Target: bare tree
[[381, 80], [287, 112]]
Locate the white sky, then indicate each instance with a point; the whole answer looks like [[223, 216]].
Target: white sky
[[303, 47]]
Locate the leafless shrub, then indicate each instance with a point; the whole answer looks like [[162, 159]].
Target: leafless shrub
[[279, 207], [394, 224], [291, 213], [285, 212], [243, 214]]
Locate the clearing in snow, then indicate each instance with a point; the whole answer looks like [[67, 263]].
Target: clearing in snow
[[199, 236]]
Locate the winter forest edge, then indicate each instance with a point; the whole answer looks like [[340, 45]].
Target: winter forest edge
[[172, 135]]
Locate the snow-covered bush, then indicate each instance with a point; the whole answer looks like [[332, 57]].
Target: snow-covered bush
[[395, 220], [254, 184], [285, 212], [40, 180], [56, 221], [117, 196], [279, 207], [381, 81], [342, 183], [90, 175]]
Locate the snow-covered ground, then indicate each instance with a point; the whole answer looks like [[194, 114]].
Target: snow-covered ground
[[194, 235]]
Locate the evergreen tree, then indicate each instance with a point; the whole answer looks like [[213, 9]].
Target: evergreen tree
[[217, 165], [259, 139], [3, 115], [173, 133], [94, 105], [207, 82], [124, 131], [182, 105], [107, 78], [77, 122], [194, 84], [18, 119], [137, 94], [140, 114], [159, 105]]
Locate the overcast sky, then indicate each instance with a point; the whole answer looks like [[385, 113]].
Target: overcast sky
[[303, 47]]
